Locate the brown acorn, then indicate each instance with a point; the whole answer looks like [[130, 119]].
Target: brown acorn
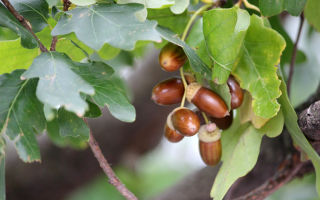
[[185, 121], [210, 146], [169, 132], [172, 57], [168, 92], [206, 100], [189, 78], [223, 123], [236, 93]]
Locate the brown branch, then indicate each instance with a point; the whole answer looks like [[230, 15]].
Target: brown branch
[[66, 5], [294, 54], [113, 179], [24, 23]]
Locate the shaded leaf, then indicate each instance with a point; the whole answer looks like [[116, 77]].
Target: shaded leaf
[[224, 31], [17, 104], [274, 7], [256, 69], [8, 20], [83, 2], [241, 147], [312, 14], [35, 11], [94, 111], [123, 29], [58, 85], [274, 126], [195, 62], [291, 122], [107, 92]]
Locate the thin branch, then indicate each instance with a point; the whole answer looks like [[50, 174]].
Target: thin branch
[[24, 23], [66, 5], [294, 54], [113, 179], [286, 172]]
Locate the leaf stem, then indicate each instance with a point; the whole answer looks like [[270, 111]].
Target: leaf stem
[[113, 179], [294, 54], [23, 22]]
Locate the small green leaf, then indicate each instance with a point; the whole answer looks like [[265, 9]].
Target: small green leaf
[[312, 14], [180, 6], [224, 31], [107, 23], [2, 170], [35, 11], [274, 7], [71, 125], [291, 122], [17, 104], [8, 20], [107, 92], [58, 85], [241, 147], [53, 131], [274, 126], [195, 62], [256, 69]]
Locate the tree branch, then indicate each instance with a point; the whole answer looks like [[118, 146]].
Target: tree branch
[[66, 5], [294, 54], [24, 23], [113, 179]]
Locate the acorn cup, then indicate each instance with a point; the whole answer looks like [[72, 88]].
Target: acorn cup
[[170, 133], [185, 121], [189, 78], [236, 92], [210, 145], [172, 57], [206, 100], [168, 92]]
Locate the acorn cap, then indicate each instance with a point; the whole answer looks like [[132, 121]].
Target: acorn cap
[[192, 90], [206, 136]]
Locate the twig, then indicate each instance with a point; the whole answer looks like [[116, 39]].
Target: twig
[[66, 5], [286, 172], [113, 179], [294, 54], [24, 23]]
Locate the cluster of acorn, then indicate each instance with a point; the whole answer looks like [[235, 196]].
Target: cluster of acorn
[[182, 121]]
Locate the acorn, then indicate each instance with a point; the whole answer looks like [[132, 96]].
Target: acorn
[[170, 133], [189, 78], [236, 92], [206, 100], [210, 145], [172, 57], [185, 121], [223, 123], [168, 92]]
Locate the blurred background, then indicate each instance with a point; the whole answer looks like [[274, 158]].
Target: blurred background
[[149, 166]]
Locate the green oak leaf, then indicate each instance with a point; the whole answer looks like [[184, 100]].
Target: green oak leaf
[[35, 11], [107, 91], [53, 131], [83, 2], [312, 14], [256, 69], [179, 6], [224, 31], [107, 23], [167, 19], [17, 105], [93, 111], [197, 42], [58, 85], [291, 122], [2, 169], [195, 62], [9, 21], [241, 147], [274, 7], [156, 4], [274, 126]]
